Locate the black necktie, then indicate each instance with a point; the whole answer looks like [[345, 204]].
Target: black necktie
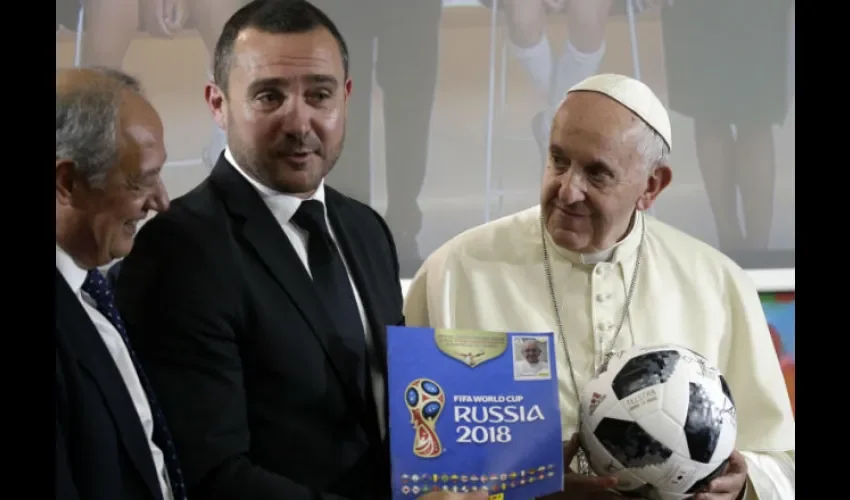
[[332, 283], [97, 287]]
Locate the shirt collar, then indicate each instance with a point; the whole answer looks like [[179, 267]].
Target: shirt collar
[[621, 250], [70, 270], [282, 205]]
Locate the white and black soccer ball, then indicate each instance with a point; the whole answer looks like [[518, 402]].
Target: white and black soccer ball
[[661, 419]]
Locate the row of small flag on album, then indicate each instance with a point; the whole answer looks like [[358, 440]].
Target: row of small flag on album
[[491, 482], [490, 487], [504, 476]]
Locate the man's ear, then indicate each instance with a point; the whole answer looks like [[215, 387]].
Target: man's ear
[[349, 87], [658, 180], [216, 102], [66, 180]]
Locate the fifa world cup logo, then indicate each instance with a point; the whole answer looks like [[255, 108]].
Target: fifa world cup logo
[[425, 400]]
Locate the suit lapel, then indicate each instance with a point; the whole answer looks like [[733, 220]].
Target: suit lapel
[[94, 357], [264, 234]]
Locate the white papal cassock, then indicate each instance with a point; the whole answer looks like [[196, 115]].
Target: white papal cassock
[[492, 278]]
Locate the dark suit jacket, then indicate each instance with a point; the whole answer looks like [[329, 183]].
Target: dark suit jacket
[[256, 384], [101, 449]]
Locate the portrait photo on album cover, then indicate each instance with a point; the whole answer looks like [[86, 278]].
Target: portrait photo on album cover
[[531, 358]]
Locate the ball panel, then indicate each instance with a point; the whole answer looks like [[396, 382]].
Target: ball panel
[[601, 461], [644, 370], [628, 481], [679, 473], [617, 411], [726, 391], [676, 396], [598, 405], [597, 399], [728, 436], [630, 444], [665, 430], [645, 402], [702, 427], [699, 369]]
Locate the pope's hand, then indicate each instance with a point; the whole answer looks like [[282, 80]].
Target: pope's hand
[[450, 495], [581, 487], [730, 485]]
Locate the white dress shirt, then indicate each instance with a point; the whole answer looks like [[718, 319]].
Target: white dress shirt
[[283, 208], [76, 276]]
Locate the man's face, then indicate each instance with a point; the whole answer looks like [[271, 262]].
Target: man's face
[[285, 108], [531, 352], [107, 216], [596, 175]]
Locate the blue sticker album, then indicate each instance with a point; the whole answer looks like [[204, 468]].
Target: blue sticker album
[[473, 410]]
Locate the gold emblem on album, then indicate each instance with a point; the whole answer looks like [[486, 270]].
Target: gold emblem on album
[[471, 347]]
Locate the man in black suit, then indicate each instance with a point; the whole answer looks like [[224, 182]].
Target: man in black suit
[[258, 302], [111, 440]]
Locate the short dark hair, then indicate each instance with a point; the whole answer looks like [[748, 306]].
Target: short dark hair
[[271, 16]]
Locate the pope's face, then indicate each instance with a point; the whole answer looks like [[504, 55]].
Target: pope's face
[[531, 352], [596, 175]]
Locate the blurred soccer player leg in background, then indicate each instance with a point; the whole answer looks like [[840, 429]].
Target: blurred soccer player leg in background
[[356, 21], [67, 12], [407, 34], [208, 17], [580, 57], [111, 26], [726, 69], [406, 71]]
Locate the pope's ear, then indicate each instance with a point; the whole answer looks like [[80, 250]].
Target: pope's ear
[[658, 180]]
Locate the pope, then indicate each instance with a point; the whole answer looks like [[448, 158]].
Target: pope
[[589, 264]]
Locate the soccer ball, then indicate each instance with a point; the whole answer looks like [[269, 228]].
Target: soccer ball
[[659, 418]]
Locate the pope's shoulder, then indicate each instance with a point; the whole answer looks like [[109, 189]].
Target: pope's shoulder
[[516, 238], [690, 253], [511, 238]]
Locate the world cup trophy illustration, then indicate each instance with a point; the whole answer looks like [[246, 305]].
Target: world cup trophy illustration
[[425, 401]]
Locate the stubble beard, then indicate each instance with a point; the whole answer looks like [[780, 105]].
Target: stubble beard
[[258, 167]]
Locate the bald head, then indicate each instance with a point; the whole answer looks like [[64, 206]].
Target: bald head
[[89, 103], [109, 156], [71, 80]]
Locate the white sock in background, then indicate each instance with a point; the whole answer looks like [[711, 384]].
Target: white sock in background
[[537, 61], [573, 67]]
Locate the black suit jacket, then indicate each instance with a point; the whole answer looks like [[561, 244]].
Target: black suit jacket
[[101, 449], [258, 389]]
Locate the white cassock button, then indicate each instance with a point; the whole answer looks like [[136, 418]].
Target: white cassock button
[[600, 326], [600, 297], [600, 270]]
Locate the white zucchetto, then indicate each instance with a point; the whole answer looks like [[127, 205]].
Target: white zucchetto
[[633, 94]]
